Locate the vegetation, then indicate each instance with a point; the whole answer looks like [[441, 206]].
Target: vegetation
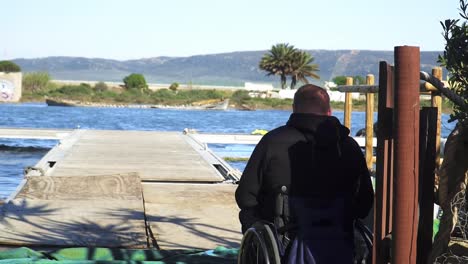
[[455, 59], [35, 81], [302, 67], [341, 80], [174, 86], [101, 87], [9, 66], [285, 60], [135, 81]]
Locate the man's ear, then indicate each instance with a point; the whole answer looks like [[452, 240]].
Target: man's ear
[[329, 112]]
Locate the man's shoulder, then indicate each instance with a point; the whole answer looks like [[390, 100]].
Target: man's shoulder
[[281, 134]]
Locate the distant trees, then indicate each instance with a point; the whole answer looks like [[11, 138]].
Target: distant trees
[[285, 60], [174, 86], [101, 87], [9, 66], [35, 81], [135, 81], [341, 80]]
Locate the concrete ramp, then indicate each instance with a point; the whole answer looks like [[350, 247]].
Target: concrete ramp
[[96, 211], [192, 215]]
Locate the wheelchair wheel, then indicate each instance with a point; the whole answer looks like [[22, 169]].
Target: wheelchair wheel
[[259, 246]]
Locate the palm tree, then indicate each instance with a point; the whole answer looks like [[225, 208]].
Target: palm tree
[[302, 67], [278, 61]]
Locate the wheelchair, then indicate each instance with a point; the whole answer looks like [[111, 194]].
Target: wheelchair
[[269, 243]]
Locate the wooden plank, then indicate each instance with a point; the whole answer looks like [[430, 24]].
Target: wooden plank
[[348, 109], [368, 88], [226, 138], [155, 156], [383, 179], [35, 133], [120, 187], [427, 166], [104, 211], [192, 215]]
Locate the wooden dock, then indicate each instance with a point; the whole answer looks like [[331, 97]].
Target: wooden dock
[[132, 189]]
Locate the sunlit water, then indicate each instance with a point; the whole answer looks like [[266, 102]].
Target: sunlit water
[[15, 155]]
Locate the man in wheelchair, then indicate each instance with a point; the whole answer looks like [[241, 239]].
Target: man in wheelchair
[[303, 188]]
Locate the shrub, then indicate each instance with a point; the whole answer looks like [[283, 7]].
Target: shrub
[[135, 81], [101, 87], [35, 81], [74, 90], [174, 86], [240, 97], [8, 66], [163, 94]]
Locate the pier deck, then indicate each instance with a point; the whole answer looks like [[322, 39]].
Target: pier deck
[[132, 189]]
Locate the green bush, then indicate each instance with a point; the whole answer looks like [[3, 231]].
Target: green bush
[[240, 96], [135, 81], [8, 66], [35, 81], [74, 91], [161, 94], [101, 87], [174, 86], [196, 95]]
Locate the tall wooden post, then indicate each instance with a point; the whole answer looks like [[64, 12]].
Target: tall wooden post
[[436, 100], [384, 166], [369, 123], [348, 104], [406, 171]]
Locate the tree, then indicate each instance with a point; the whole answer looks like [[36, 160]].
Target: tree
[[277, 61], [135, 81], [174, 86], [455, 59], [453, 172], [35, 81], [285, 60], [302, 67], [101, 87], [358, 79], [8, 66], [341, 80]]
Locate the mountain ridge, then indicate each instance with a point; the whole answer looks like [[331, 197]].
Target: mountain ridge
[[231, 68]]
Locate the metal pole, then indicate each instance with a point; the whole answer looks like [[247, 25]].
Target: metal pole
[[406, 171]]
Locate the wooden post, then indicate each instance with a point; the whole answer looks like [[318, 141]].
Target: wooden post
[[427, 155], [436, 100], [406, 169], [348, 105], [369, 123], [384, 166]]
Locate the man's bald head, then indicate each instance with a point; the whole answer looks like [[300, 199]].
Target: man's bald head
[[311, 99]]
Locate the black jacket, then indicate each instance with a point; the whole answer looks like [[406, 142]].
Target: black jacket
[[312, 155]]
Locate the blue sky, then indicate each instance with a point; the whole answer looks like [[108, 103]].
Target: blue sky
[[118, 29]]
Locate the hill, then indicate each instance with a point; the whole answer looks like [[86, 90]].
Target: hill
[[215, 69]]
